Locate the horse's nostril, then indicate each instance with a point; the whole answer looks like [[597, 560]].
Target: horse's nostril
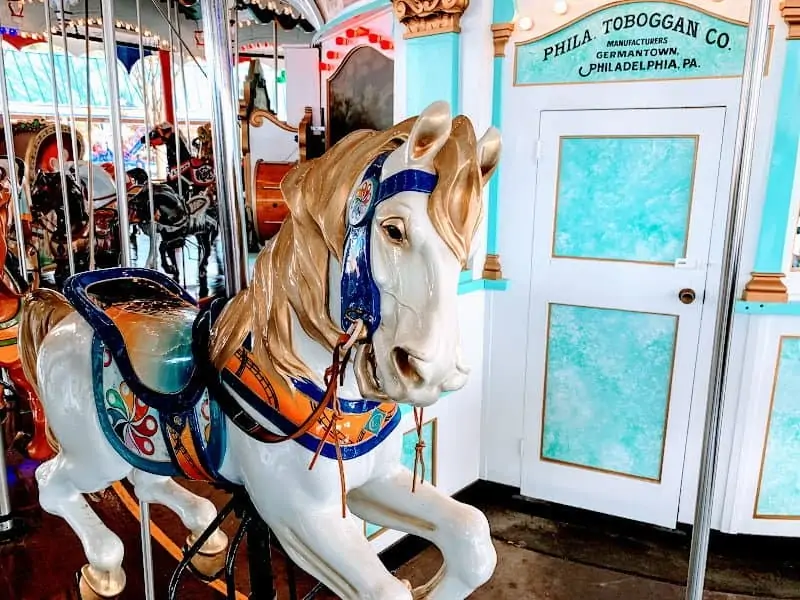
[[405, 365]]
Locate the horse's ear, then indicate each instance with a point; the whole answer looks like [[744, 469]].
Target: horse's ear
[[489, 147], [429, 134]]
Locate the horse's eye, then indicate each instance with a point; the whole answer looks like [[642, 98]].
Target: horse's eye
[[395, 230]]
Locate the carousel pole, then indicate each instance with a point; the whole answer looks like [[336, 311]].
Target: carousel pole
[[73, 125], [225, 139], [147, 126], [275, 61], [109, 47], [755, 60], [89, 137], [59, 139], [7, 527], [176, 125], [16, 192]]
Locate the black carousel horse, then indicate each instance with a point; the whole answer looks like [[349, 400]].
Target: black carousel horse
[[176, 220], [47, 209]]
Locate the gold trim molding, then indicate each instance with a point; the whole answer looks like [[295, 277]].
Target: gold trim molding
[[501, 32], [766, 287], [429, 17], [790, 11], [492, 269]]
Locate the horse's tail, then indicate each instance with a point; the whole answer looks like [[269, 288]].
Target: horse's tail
[[42, 309]]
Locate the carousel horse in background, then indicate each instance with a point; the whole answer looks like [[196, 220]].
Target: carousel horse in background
[[175, 220], [47, 207], [138, 382], [104, 191], [196, 174], [197, 183], [34, 441]]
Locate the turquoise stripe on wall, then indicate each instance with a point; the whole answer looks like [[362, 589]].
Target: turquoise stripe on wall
[[494, 183], [607, 384], [775, 217], [503, 11], [624, 198], [779, 490], [432, 72]]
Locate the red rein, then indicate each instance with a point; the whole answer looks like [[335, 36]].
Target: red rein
[[334, 377]]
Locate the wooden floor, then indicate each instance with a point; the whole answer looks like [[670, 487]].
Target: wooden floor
[[42, 563]]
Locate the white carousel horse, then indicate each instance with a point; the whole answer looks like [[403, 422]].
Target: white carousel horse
[[378, 232], [104, 193], [104, 189]]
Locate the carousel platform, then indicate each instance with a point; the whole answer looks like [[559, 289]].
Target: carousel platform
[[544, 552]]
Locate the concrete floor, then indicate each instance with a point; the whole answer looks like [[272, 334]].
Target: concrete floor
[[522, 574]]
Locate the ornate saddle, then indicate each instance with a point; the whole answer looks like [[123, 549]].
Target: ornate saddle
[[161, 403]]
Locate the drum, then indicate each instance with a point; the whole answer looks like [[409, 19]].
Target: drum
[[270, 207]]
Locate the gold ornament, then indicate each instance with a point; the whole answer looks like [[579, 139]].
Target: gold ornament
[[429, 17]]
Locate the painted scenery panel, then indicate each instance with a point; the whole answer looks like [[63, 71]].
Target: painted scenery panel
[[361, 94]]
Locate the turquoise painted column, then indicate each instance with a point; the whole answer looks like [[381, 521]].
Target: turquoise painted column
[[766, 284], [433, 52], [502, 28], [433, 71]]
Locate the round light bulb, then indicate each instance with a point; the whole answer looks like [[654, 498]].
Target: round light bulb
[[525, 23], [560, 7]]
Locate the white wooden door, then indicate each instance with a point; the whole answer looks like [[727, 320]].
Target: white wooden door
[[624, 206]]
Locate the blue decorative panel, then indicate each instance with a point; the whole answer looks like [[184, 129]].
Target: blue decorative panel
[[634, 41], [779, 489], [409, 452], [624, 198], [607, 386]]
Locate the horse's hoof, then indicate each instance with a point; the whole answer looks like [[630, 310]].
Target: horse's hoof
[[100, 585], [209, 562]]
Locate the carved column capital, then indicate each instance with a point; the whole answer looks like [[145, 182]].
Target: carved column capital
[[429, 17], [501, 33], [790, 11]]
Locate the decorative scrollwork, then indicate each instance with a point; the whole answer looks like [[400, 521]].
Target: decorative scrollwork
[[428, 17]]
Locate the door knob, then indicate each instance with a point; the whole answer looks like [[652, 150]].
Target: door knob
[[687, 295]]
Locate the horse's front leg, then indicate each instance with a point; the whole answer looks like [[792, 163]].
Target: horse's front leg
[[460, 531], [322, 543]]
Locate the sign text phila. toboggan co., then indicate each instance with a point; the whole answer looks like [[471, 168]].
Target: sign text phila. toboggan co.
[[634, 41]]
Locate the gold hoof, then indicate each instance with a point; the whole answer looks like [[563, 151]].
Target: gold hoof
[[209, 562], [100, 585]]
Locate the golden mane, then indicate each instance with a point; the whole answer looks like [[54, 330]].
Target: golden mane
[[291, 272]]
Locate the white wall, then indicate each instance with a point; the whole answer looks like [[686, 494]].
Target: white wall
[[302, 83]]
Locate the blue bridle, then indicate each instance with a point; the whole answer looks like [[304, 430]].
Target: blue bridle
[[360, 296]]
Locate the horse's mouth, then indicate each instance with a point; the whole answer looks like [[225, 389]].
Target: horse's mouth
[[365, 368]]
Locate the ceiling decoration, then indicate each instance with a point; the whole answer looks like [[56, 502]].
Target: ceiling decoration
[[261, 12]]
